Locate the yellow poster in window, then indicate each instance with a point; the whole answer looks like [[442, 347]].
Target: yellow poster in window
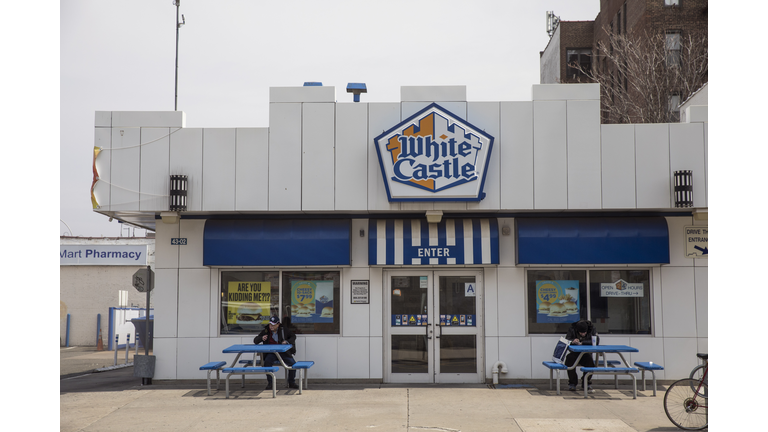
[[248, 302]]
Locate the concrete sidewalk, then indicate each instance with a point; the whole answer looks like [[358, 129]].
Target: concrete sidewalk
[[114, 400]]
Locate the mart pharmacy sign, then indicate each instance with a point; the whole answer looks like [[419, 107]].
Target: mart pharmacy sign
[[434, 156]]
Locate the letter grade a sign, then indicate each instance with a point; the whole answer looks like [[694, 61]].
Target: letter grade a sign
[[434, 156]]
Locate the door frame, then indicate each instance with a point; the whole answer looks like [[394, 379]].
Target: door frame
[[432, 330]]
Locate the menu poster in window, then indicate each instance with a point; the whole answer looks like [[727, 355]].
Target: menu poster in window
[[557, 301], [248, 303], [312, 301]]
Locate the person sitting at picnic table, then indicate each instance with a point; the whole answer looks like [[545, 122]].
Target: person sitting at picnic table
[[274, 333], [580, 333]]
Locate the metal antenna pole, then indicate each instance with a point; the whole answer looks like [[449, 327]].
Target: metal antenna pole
[[176, 83]]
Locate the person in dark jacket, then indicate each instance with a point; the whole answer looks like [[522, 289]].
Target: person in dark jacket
[[580, 333], [274, 333]]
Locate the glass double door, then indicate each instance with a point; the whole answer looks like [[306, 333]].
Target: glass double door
[[433, 321]]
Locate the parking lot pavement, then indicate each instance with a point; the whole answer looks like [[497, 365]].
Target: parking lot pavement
[[79, 360]]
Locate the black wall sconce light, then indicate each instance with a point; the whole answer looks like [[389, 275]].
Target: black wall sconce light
[[684, 188], [178, 200]]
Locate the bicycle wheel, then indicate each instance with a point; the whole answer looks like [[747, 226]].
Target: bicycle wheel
[[697, 373], [685, 404]]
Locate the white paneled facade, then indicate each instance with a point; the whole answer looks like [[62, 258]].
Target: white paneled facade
[[251, 169], [551, 158]]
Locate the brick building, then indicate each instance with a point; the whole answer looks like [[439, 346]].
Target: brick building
[[577, 41], [571, 39]]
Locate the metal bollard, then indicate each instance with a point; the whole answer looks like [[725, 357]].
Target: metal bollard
[[136, 343], [67, 340], [127, 346], [117, 337]]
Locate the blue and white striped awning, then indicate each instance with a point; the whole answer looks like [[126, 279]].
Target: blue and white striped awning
[[417, 242]]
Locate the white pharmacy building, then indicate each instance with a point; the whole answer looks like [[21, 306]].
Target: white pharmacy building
[[429, 240]]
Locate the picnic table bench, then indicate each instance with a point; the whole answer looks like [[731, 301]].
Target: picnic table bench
[[210, 367], [261, 350], [243, 370], [611, 370]]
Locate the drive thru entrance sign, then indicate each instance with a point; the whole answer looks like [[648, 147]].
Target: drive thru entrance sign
[[696, 242]]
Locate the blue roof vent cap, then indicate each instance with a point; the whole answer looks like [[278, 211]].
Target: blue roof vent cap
[[313, 84], [356, 89]]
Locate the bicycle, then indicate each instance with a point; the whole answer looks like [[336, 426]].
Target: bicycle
[[698, 371], [685, 401]]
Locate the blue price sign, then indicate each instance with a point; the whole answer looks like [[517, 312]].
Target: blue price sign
[[179, 241]]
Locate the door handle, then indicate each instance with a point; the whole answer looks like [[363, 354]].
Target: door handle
[[439, 332], [429, 332]]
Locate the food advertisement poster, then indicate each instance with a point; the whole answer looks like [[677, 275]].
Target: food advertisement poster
[[248, 303], [312, 301], [557, 301]]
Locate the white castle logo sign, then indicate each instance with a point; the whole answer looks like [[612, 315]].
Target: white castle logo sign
[[434, 156]]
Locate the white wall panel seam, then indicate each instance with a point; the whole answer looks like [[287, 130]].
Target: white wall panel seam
[[178, 294], [234, 163], [333, 157], [670, 174], [367, 153], [704, 164], [141, 149], [111, 153], [661, 291], [169, 177], [602, 190], [533, 153], [370, 357], [301, 171], [269, 149], [567, 165], [695, 306], [705, 140], [335, 136], [202, 169], [634, 152]]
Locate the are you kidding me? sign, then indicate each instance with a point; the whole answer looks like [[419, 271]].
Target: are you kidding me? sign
[[128, 255]]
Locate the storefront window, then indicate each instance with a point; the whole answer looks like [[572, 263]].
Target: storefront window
[[620, 301], [617, 302], [311, 301], [248, 299]]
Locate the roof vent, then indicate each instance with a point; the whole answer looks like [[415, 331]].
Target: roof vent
[[356, 89]]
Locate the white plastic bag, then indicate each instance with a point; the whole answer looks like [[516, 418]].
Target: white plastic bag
[[561, 350]]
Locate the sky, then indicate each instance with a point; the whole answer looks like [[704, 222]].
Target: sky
[[119, 55]]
